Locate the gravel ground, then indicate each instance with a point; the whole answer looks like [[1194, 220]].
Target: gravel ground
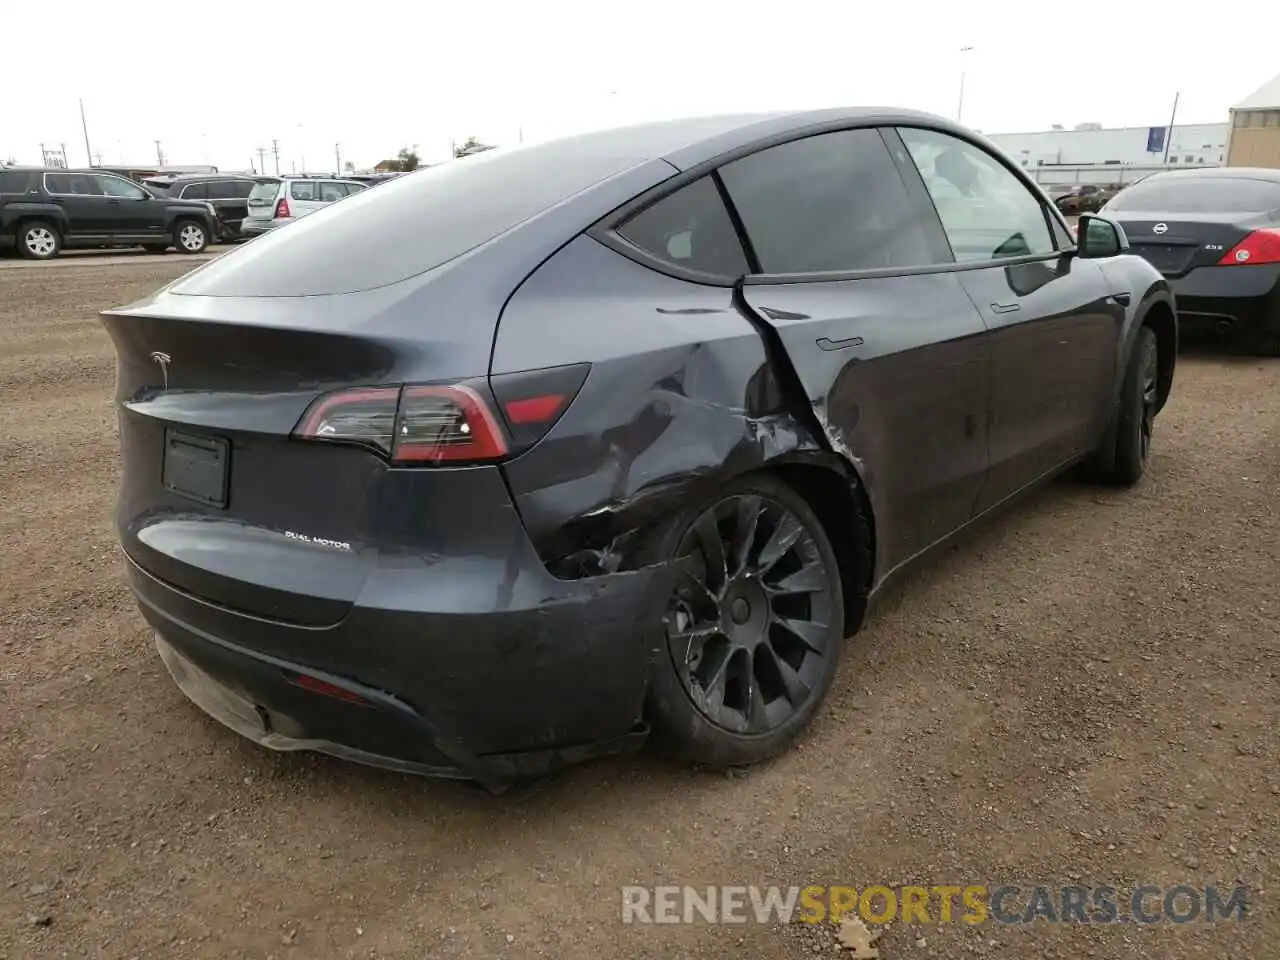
[[1085, 689]]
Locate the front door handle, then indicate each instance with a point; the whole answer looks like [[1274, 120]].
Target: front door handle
[[1005, 307]]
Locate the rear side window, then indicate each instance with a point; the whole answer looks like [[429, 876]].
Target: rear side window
[[15, 181], [830, 203], [986, 211], [354, 187], [195, 191], [303, 190], [691, 229], [1199, 195], [236, 189], [422, 220]]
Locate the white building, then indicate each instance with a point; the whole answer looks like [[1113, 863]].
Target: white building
[[1090, 146]]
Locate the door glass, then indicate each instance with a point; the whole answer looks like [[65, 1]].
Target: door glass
[[833, 202], [330, 191], [691, 229], [72, 184], [238, 189], [115, 187], [987, 212], [303, 190], [354, 188], [195, 191]]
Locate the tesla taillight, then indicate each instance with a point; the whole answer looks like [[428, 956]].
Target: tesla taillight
[[1261, 246], [428, 424], [282, 208]]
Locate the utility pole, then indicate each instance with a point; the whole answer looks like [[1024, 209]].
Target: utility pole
[[65, 163], [262, 161], [337, 158], [1168, 135], [97, 159], [960, 105], [159, 154], [88, 153], [275, 149]]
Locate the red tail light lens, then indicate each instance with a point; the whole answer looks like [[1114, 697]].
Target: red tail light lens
[[1261, 246], [426, 424], [409, 425], [282, 208]]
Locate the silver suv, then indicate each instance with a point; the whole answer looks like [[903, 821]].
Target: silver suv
[[275, 201]]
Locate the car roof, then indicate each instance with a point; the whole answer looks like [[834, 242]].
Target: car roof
[[688, 141], [1218, 173]]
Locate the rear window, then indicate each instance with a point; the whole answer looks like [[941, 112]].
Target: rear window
[[420, 220], [264, 192], [1199, 195]]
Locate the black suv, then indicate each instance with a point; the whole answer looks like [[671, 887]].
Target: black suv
[[227, 193], [43, 210]]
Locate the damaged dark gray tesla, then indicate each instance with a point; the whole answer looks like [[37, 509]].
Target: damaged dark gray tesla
[[519, 458]]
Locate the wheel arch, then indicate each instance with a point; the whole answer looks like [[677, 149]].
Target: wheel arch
[[837, 495], [1160, 315]]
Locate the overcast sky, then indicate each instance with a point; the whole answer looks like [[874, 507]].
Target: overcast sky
[[213, 82]]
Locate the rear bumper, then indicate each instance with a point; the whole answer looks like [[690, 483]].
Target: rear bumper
[[252, 228], [1247, 297], [546, 673]]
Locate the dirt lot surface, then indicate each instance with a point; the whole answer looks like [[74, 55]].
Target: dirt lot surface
[[1084, 690]]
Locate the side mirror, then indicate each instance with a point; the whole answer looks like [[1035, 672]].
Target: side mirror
[[1098, 237]]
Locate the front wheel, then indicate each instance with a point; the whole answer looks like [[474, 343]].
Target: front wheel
[[753, 629], [190, 237], [38, 240], [1139, 401]]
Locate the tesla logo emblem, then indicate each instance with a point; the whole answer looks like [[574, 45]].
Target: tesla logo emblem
[[163, 359], [1160, 228]]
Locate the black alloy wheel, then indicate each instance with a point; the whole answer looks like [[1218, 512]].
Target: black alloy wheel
[[1149, 373], [748, 627]]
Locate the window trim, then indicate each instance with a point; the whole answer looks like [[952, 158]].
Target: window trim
[[604, 230]]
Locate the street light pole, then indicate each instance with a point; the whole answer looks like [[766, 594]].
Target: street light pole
[[960, 104], [1168, 136]]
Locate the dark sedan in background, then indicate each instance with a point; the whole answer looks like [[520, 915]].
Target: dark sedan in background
[[624, 439], [1215, 234]]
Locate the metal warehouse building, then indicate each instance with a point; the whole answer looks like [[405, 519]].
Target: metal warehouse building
[[1197, 144], [1255, 128]]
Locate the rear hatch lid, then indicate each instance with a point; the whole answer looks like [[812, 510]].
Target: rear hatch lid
[[261, 204]]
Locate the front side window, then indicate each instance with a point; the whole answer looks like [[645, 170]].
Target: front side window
[[986, 211], [123, 189], [330, 191], [830, 203], [303, 190], [689, 228]]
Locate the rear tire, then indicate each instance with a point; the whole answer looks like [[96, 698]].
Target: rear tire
[[39, 240], [190, 236], [751, 637], [1139, 397]]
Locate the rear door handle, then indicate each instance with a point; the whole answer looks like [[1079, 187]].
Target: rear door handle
[[1005, 307]]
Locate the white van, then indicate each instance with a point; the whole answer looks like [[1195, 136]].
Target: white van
[[275, 201]]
